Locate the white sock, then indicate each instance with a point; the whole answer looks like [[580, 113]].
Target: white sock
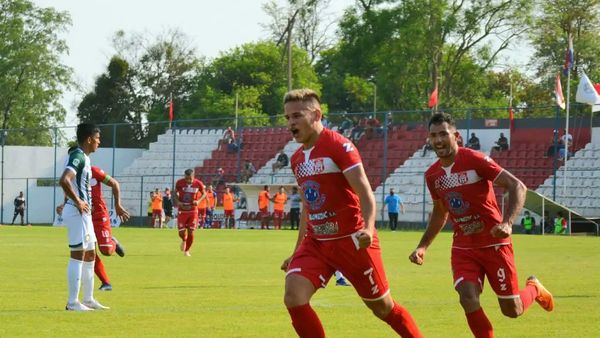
[[74, 279], [87, 280], [338, 275]]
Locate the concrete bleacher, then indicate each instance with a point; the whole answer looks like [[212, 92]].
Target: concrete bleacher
[[580, 188], [265, 174], [154, 169]]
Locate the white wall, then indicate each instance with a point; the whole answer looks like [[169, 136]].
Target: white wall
[[23, 166]]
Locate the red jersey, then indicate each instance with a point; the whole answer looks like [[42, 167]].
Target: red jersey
[[467, 192], [188, 194], [99, 209], [332, 206]]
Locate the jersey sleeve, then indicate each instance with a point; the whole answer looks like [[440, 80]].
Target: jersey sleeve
[[76, 161], [429, 179], [344, 154], [100, 175], [485, 166]]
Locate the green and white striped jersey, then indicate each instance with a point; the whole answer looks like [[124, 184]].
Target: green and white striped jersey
[[80, 164]]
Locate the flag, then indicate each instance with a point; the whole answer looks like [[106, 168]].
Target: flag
[[586, 93], [568, 57], [433, 99], [560, 99], [171, 110]]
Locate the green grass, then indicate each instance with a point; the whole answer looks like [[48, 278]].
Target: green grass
[[232, 287]]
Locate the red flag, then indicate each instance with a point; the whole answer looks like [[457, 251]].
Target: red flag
[[171, 110], [511, 118], [433, 99], [597, 87], [560, 99]]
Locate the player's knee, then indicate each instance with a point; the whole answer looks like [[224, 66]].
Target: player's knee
[[511, 312], [292, 299], [469, 302]]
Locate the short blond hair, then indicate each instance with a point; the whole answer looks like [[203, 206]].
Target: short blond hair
[[301, 95]]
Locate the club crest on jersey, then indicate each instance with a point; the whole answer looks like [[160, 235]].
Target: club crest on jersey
[[456, 202], [312, 195], [93, 182]]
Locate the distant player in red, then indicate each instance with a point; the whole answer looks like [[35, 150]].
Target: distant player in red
[[337, 223], [263, 207], [461, 186], [279, 200], [188, 191]]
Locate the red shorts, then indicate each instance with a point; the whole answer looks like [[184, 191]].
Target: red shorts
[[202, 213], [496, 262], [318, 260], [278, 214], [264, 212], [103, 230], [187, 219], [228, 213], [157, 213]]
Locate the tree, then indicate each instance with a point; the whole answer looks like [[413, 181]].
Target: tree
[[32, 77]]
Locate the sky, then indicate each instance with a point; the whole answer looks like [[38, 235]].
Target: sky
[[212, 26]]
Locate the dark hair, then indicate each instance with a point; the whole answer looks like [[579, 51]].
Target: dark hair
[[265, 187], [85, 130], [439, 118], [189, 172]]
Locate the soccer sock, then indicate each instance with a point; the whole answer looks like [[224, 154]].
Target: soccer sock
[[74, 279], [528, 295], [87, 280], [189, 241], [480, 324], [306, 322], [402, 322], [100, 272]]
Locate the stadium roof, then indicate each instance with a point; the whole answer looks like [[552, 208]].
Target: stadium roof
[[539, 204]]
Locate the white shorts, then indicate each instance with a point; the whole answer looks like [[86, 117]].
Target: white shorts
[[80, 229]]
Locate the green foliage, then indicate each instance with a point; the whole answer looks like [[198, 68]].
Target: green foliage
[[32, 77]]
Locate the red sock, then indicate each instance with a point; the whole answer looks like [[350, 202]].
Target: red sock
[[306, 322], [189, 240], [480, 324], [99, 270], [402, 322], [528, 295]]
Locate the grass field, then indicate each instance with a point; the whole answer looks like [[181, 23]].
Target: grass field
[[232, 287]]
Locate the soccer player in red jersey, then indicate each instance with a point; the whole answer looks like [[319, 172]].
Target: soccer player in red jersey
[[337, 223], [279, 200], [229, 209], [461, 186], [188, 191], [263, 207]]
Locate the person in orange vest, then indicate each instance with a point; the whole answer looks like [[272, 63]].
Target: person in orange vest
[[279, 200], [202, 209], [228, 208], [157, 209], [211, 200], [263, 207]]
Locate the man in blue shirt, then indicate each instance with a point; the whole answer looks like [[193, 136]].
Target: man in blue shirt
[[394, 205]]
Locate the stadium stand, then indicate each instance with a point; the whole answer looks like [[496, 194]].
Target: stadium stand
[[193, 146], [265, 174]]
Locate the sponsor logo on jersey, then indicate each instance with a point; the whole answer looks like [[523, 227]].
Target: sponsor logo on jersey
[[321, 215], [93, 182], [328, 228], [316, 166], [348, 147], [454, 180], [456, 203], [76, 162], [312, 194]]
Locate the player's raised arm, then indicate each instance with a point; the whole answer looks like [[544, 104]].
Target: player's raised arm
[[438, 219], [359, 182]]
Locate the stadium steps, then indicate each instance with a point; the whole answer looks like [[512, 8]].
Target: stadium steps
[[193, 146]]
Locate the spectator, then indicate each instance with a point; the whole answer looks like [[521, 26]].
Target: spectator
[[394, 205], [19, 208], [373, 125], [565, 141], [295, 201], [248, 171], [547, 223], [281, 162], [359, 127], [168, 205], [501, 144], [219, 177], [157, 209], [560, 224], [555, 145], [426, 147], [528, 223], [345, 126], [474, 142]]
